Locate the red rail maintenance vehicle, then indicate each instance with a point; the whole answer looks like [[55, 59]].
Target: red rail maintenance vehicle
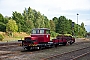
[[40, 38]]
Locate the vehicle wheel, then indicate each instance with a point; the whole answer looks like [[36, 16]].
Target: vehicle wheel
[[56, 45], [71, 43], [39, 48], [52, 46], [64, 44], [28, 48]]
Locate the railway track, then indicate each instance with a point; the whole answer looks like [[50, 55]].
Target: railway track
[[72, 55], [8, 46], [9, 43], [6, 55], [16, 53]]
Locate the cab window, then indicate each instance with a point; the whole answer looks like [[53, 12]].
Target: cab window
[[35, 31], [41, 31], [47, 31]]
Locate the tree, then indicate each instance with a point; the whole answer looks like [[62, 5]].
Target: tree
[[11, 27], [1, 18], [69, 26], [29, 25], [19, 27], [3, 22], [76, 29], [2, 27], [30, 14], [52, 25], [39, 20], [46, 22], [61, 25], [55, 19], [19, 20], [83, 29], [30, 18]]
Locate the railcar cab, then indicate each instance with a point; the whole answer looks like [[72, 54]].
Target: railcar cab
[[42, 34]]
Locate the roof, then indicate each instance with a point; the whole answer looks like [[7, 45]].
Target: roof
[[42, 28]]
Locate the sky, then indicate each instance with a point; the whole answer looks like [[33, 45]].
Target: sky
[[51, 8]]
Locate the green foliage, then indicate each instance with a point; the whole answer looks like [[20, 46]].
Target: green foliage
[[46, 22], [53, 34], [29, 25], [68, 26], [61, 25], [52, 25], [11, 26], [83, 30], [1, 18], [30, 18], [19, 20], [1, 37], [2, 27], [55, 19], [65, 34], [3, 22]]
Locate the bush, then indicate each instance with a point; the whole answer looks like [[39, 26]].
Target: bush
[[1, 37], [53, 34]]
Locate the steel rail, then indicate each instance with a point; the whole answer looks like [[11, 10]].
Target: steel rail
[[65, 53]]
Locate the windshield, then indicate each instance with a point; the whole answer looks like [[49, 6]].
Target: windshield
[[35, 31], [40, 31], [47, 31]]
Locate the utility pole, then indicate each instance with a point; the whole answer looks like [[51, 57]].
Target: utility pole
[[77, 23]]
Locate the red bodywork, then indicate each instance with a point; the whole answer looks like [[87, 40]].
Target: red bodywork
[[33, 39], [38, 36], [42, 37], [60, 39]]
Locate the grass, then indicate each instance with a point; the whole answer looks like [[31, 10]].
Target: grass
[[16, 36], [11, 39]]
